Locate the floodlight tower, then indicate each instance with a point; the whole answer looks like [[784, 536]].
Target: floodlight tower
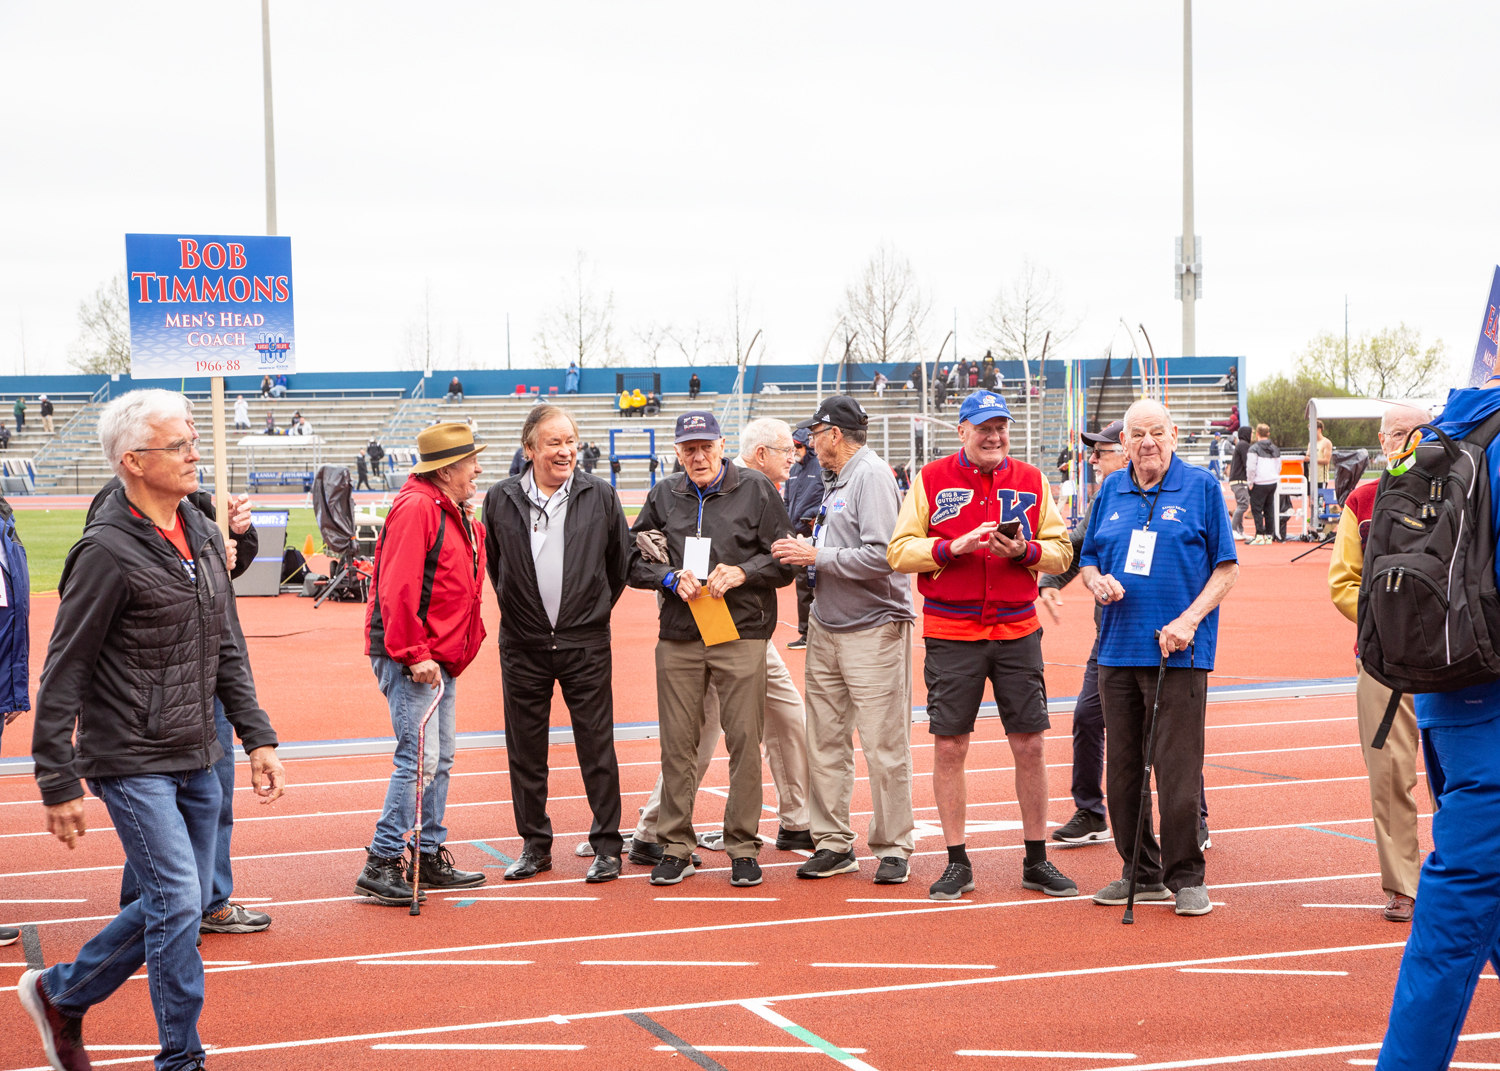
[[265, 62], [1189, 257]]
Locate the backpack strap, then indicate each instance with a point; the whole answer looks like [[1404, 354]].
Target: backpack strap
[[1486, 432], [429, 566], [1386, 722]]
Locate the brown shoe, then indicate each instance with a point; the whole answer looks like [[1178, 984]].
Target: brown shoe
[[1399, 909]]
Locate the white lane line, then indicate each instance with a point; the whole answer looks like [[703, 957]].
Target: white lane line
[[1358, 907], [479, 1047], [1047, 1055], [802, 1033], [663, 963], [444, 962], [220, 963], [914, 966], [1252, 1057], [717, 900], [43, 901], [1246, 970], [752, 1048], [894, 899]]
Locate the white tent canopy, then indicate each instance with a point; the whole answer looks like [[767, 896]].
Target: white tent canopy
[[1347, 409]]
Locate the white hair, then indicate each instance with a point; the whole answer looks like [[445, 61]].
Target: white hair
[[1147, 405], [762, 431], [126, 422]]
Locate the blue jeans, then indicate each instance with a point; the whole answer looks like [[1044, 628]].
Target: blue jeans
[[1456, 927], [408, 702], [167, 824], [223, 884]]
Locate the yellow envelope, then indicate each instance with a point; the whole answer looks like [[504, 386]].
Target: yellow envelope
[[715, 624]]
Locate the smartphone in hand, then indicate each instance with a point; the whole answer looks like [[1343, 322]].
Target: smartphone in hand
[[1009, 529]]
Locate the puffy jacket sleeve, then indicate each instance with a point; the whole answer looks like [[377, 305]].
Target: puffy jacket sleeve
[[911, 549], [1347, 567], [92, 594], [409, 534]]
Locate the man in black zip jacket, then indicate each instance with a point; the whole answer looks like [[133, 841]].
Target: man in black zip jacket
[[141, 646], [554, 627]]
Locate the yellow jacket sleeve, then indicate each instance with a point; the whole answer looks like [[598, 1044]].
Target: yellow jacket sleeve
[[1052, 538], [910, 548], [1347, 567]]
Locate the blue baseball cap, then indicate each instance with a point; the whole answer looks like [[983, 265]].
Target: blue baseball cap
[[696, 425], [983, 405]]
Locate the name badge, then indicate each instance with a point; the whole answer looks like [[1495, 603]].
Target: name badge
[[1142, 547], [695, 557]]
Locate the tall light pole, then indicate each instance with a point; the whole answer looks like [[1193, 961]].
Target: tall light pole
[[1189, 248], [265, 60]]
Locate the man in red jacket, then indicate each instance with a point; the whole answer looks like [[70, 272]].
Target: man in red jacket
[[423, 628]]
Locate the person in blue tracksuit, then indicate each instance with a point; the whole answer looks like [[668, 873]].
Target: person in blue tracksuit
[[1456, 926]]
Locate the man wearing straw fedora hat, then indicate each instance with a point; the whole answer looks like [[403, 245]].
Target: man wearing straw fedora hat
[[422, 629]]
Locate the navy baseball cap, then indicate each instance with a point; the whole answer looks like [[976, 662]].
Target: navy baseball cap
[[799, 433], [983, 405], [840, 411], [1110, 434], [696, 425]]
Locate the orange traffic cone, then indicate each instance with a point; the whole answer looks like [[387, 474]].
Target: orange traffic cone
[[307, 547]]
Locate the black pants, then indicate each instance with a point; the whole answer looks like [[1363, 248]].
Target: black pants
[[804, 602], [527, 679], [1263, 507], [364, 481], [1128, 694]]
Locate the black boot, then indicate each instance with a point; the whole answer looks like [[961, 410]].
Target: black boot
[[438, 873], [384, 880]]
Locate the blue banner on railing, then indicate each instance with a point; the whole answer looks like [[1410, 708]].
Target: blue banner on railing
[[209, 305], [1484, 352]]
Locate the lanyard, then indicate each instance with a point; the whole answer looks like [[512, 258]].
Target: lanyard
[[1152, 512], [717, 482], [543, 508]]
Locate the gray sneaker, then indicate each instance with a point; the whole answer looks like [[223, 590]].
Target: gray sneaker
[[1193, 901], [1118, 891]]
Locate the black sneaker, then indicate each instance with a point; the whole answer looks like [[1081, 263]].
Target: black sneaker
[[825, 863], [671, 870], [799, 644], [957, 879], [384, 880], [1205, 842], [236, 918], [744, 871], [8, 936], [438, 873], [791, 840], [892, 871], [644, 853], [1083, 827], [1044, 877]]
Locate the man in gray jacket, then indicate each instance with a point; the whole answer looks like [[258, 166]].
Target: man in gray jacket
[[858, 651]]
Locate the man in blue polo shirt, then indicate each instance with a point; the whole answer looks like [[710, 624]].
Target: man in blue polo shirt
[[1158, 555]]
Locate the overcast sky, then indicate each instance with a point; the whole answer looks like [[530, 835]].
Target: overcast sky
[[475, 149]]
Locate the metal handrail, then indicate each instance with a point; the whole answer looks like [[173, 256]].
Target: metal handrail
[[100, 395], [420, 390]]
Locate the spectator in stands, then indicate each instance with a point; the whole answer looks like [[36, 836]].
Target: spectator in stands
[[145, 600], [554, 631], [694, 386], [979, 623], [1263, 465], [653, 403], [270, 422], [588, 456], [422, 629], [914, 381], [1214, 468], [1239, 481], [1325, 458], [1232, 380], [955, 380], [624, 402], [298, 426], [1159, 604], [375, 452], [364, 472], [637, 402], [4, 437], [455, 391], [1392, 769], [739, 515], [473, 426], [1230, 422], [278, 389], [570, 378], [879, 384], [940, 391], [265, 386], [46, 414], [241, 413], [20, 410]]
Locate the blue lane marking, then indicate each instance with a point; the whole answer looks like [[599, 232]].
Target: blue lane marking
[[466, 903], [1336, 833], [505, 860]]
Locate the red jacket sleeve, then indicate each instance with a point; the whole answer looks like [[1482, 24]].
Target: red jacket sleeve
[[408, 536]]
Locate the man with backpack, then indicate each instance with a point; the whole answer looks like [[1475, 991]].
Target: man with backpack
[[1441, 640]]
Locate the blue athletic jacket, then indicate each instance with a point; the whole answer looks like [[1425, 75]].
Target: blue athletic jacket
[[15, 633]]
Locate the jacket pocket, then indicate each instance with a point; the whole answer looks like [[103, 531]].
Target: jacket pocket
[[153, 713]]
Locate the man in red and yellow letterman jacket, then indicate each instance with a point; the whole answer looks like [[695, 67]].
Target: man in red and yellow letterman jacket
[[977, 528]]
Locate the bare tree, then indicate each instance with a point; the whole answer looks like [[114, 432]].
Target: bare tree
[[697, 343], [103, 345], [886, 310], [429, 342], [651, 338], [1022, 315], [581, 326], [1387, 364]]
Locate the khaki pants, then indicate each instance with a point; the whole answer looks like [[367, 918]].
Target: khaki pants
[[785, 743], [1393, 778], [860, 680], [47, 424], [684, 669]]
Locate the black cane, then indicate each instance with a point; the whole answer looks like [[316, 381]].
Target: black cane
[[1140, 818]]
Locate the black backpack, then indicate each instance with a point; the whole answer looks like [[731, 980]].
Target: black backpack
[[1429, 615]]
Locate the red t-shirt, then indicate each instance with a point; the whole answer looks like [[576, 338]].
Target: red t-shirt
[[175, 536]]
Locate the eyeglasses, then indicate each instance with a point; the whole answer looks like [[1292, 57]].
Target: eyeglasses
[[1098, 454], [182, 448]]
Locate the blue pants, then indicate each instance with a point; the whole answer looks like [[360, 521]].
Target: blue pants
[[223, 884], [408, 701], [1457, 922], [167, 824]]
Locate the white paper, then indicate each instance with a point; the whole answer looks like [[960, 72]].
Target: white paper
[[695, 557], [1142, 548]]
